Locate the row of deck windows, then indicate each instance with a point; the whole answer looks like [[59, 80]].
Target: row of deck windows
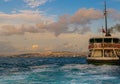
[[106, 40]]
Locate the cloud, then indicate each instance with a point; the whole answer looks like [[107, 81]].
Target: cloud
[[25, 17], [19, 30], [35, 46], [76, 23], [79, 22], [23, 21], [114, 14], [115, 28], [10, 29], [85, 16], [66, 23], [35, 22], [35, 3]]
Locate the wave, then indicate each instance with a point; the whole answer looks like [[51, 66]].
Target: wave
[[56, 71]]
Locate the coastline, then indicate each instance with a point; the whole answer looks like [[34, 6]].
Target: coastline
[[47, 54]]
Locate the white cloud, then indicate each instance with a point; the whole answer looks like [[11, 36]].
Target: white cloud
[[25, 17], [114, 14], [35, 3]]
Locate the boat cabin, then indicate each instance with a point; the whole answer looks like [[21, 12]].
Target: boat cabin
[[104, 47]]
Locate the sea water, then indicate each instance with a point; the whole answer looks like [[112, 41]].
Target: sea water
[[64, 70]]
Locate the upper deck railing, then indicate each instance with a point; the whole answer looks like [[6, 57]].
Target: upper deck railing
[[104, 43]]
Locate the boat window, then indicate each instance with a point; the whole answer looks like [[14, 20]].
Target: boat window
[[107, 40], [115, 40], [99, 40], [118, 52], [97, 53], [109, 53], [91, 41]]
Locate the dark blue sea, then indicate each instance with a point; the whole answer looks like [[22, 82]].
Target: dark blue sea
[[64, 70]]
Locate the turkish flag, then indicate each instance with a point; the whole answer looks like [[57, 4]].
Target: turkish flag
[[103, 30]]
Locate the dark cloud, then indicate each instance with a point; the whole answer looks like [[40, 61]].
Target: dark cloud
[[115, 28]]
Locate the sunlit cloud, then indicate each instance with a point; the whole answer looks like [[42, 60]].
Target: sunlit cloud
[[35, 46]]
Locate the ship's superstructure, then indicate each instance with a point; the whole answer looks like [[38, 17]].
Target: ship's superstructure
[[105, 49]]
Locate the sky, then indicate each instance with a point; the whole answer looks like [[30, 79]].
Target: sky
[[53, 25]]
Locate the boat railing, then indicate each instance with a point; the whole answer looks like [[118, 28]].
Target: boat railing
[[104, 45]]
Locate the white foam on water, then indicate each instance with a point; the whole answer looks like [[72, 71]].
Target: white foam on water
[[90, 68], [42, 68], [85, 73], [67, 74], [12, 77], [106, 68], [78, 79], [77, 66]]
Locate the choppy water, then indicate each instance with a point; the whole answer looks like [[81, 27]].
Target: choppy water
[[56, 71]]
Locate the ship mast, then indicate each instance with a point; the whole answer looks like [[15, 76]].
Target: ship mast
[[105, 14]]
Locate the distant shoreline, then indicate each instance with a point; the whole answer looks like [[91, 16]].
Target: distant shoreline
[[50, 54]]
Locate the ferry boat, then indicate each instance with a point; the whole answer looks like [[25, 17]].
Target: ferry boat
[[105, 49]]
